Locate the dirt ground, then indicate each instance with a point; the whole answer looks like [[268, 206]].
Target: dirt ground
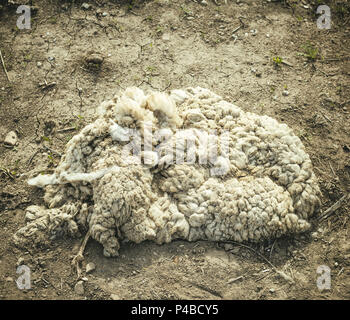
[[276, 63]]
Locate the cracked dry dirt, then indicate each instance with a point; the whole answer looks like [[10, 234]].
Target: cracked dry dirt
[[57, 84]]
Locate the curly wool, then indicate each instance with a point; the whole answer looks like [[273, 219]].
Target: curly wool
[[261, 186]]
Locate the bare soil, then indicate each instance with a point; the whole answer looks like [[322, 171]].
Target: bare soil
[[163, 45]]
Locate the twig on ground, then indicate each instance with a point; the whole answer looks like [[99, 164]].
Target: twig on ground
[[281, 273], [287, 63], [322, 172], [326, 74], [52, 151], [336, 59], [332, 169], [234, 279], [341, 270], [48, 282], [32, 157], [167, 87], [3, 65], [79, 257], [240, 20], [207, 289], [324, 116], [264, 276], [44, 85], [235, 30], [330, 211]]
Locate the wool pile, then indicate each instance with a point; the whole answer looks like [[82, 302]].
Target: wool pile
[[184, 165]]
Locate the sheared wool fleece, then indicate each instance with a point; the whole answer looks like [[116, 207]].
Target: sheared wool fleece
[[266, 188]]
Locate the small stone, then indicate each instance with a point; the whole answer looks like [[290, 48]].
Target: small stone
[[336, 264], [38, 64], [9, 279], [267, 35], [285, 93], [254, 32], [85, 279], [104, 14], [314, 235], [90, 267], [115, 297], [272, 290], [204, 3], [11, 139], [79, 288], [86, 6]]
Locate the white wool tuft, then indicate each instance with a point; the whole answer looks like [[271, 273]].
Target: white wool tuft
[[43, 180], [260, 187], [118, 133], [162, 105]]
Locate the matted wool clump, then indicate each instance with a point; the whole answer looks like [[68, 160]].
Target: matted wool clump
[[187, 165]]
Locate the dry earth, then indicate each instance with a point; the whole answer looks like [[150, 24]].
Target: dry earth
[[163, 44]]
